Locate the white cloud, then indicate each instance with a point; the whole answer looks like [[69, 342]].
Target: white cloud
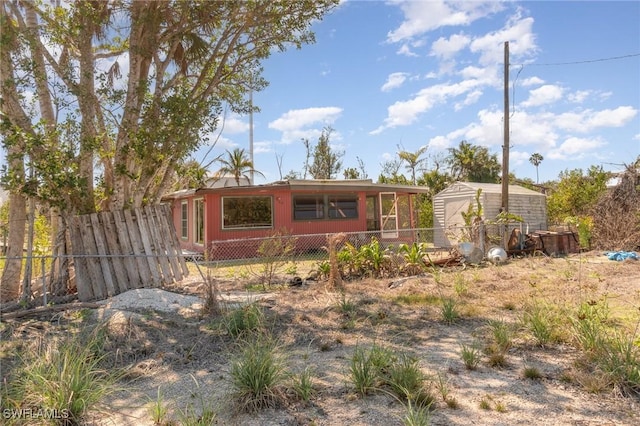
[[394, 81], [233, 124], [424, 16], [588, 120], [439, 143], [295, 124], [579, 96], [262, 147], [403, 113], [406, 51], [517, 158], [574, 147], [531, 81], [518, 32], [470, 99], [447, 48], [543, 95]]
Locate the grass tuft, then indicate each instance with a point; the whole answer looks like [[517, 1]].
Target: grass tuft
[[258, 375]]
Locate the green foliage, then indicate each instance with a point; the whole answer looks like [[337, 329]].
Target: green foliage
[[545, 322], [473, 163], [412, 160], [576, 193], [502, 339], [258, 375], [584, 225], [302, 384], [67, 374], [158, 409], [274, 253], [244, 320], [414, 256], [449, 310], [173, 99], [326, 162], [236, 164], [380, 368], [374, 257], [416, 415], [362, 373], [471, 355], [609, 353], [407, 381]]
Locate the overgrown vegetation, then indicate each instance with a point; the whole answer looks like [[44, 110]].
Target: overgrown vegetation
[[65, 375]]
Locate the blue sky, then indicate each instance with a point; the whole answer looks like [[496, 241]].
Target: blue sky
[[385, 74]]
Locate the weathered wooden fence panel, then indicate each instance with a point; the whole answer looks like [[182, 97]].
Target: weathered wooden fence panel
[[118, 251]]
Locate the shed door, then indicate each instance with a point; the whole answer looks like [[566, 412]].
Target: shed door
[[389, 215]]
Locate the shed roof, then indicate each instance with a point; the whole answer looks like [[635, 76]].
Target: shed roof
[[492, 188], [307, 185]]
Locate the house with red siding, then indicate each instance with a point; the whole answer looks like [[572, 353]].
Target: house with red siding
[[207, 217]]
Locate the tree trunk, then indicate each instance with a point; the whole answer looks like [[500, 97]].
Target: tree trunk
[[10, 284]]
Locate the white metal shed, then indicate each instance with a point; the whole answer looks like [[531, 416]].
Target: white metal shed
[[449, 204]]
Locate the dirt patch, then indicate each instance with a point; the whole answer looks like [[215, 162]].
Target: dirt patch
[[188, 358]]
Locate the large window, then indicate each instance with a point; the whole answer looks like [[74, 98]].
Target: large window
[[247, 212], [199, 221], [308, 207], [315, 207], [184, 220]]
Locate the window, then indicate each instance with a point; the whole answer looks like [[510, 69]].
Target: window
[[343, 207], [247, 212], [306, 208], [199, 221], [317, 207], [184, 220]]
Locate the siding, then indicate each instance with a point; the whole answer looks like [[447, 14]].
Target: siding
[[448, 204]]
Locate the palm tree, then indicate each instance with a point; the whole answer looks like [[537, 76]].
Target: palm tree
[[461, 160], [473, 163], [536, 159], [236, 164], [413, 160]]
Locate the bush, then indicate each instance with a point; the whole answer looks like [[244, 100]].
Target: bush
[[258, 375], [66, 374]]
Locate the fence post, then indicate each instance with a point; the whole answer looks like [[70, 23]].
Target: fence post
[[44, 283]]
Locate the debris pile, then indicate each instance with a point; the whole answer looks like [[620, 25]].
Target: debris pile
[[616, 222]]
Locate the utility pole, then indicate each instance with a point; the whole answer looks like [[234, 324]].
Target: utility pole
[[251, 135], [505, 146]]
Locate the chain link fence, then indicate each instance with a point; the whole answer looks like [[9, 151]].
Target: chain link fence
[[282, 256]]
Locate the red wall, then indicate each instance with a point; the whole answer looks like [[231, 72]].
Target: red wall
[[283, 219]]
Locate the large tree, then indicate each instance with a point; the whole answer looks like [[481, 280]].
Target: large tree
[[103, 99], [237, 164], [575, 193], [535, 159], [412, 160], [473, 163], [326, 161]]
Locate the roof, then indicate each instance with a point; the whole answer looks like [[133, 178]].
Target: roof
[[492, 188], [307, 185]]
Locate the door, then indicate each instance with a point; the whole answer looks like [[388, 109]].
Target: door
[[388, 215], [373, 213]]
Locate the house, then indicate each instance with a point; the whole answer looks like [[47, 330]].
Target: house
[[227, 221], [449, 204]]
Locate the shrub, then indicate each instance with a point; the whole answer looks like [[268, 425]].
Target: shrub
[[244, 320], [258, 375], [65, 374]]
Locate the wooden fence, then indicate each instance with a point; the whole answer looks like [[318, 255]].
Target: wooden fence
[[118, 251]]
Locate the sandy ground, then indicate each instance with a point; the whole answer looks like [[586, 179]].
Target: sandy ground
[[169, 347]]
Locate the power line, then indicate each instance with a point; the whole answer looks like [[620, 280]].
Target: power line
[[589, 61]]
